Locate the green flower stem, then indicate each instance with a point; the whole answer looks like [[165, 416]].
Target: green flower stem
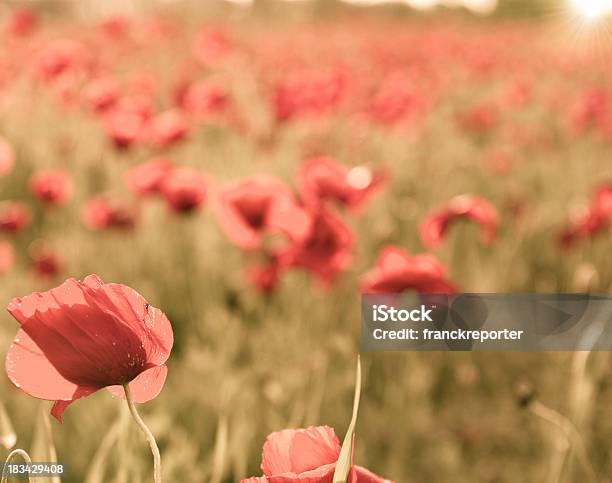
[[13, 454], [157, 476]]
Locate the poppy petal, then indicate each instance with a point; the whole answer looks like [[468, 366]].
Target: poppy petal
[[287, 217], [323, 474], [60, 406], [299, 451], [146, 386], [150, 324], [362, 475], [393, 259], [30, 370]]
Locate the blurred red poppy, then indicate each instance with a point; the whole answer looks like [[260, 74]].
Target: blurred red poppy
[[15, 216], [308, 94], [323, 179], [306, 455], [167, 128], [84, 336], [265, 277], [397, 271], [60, 57], [124, 126], [396, 99], [479, 119], [249, 208], [116, 27], [203, 100], [7, 157], [184, 190], [326, 251], [21, 22], [46, 263], [7, 257], [591, 110], [211, 45], [434, 227], [53, 186], [596, 218], [99, 213], [101, 94], [147, 178]]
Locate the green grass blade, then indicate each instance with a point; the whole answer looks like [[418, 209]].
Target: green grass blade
[[343, 466]]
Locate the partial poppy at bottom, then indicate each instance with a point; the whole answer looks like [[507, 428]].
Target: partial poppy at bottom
[[308, 456]]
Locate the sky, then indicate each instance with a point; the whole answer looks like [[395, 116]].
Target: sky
[[478, 6]]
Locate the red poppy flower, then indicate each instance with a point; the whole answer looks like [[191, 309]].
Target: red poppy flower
[[46, 263], [321, 179], [84, 336], [396, 100], [591, 110], [203, 100], [210, 46], [116, 27], [53, 187], [479, 119], [596, 218], [585, 225], [21, 22], [326, 251], [397, 271], [168, 128], [14, 216], [602, 201], [306, 455], [434, 227], [251, 207], [7, 257], [147, 178], [184, 190], [265, 277], [309, 94], [101, 94], [61, 56], [7, 157], [124, 126], [98, 213], [141, 104]]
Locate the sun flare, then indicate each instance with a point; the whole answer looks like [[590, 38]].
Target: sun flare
[[592, 9]]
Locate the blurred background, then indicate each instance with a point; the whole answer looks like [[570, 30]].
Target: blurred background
[[507, 102]]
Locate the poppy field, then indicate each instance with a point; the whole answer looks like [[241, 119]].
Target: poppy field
[[193, 200]]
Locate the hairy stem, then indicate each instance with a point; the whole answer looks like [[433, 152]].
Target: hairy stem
[[157, 478], [13, 454], [569, 432]]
